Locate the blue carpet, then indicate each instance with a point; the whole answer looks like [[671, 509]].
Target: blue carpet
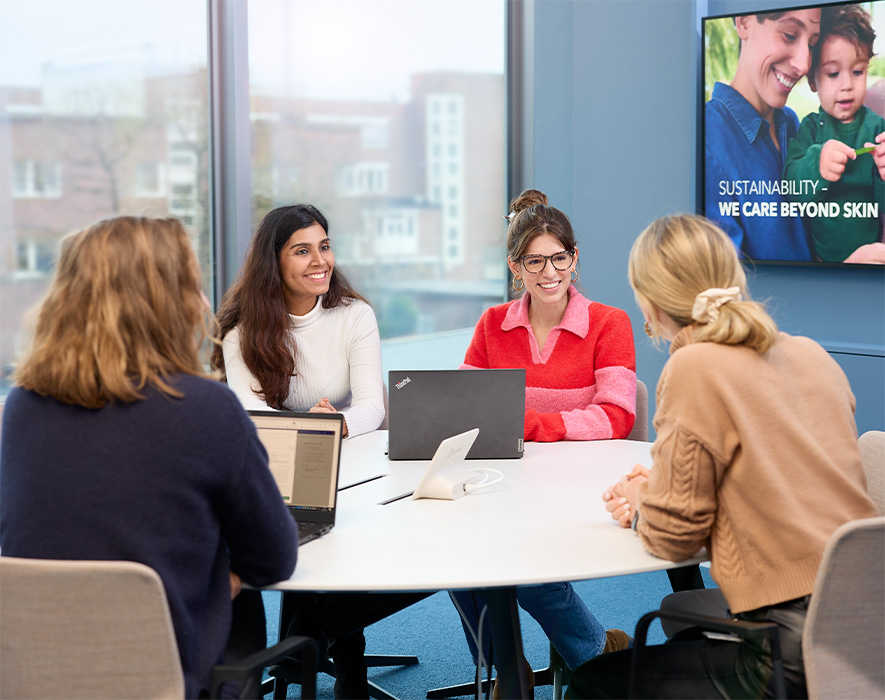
[[431, 630]]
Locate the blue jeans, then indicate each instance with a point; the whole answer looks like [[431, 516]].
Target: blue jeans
[[568, 624]]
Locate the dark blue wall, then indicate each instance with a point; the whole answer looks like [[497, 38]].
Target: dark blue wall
[[616, 118]]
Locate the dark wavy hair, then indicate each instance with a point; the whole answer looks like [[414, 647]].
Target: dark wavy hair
[[255, 302]]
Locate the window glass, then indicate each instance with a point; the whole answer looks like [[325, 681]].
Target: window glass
[[389, 116], [102, 112]]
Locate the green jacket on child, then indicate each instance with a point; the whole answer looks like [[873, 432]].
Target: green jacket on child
[[836, 237]]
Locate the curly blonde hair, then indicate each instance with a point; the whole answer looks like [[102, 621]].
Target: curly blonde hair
[[123, 310]]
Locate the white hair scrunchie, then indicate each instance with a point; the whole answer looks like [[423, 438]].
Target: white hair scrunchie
[[707, 303]]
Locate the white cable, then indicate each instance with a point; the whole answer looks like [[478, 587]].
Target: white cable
[[470, 488], [482, 661]]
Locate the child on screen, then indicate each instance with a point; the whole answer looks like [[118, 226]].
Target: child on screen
[[828, 148]]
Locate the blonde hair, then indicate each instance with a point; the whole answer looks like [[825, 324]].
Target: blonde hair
[[123, 310], [678, 257]]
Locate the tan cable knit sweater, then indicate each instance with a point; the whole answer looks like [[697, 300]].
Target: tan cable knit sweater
[[756, 458]]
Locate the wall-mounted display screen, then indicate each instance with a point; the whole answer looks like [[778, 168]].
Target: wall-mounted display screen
[[794, 132]]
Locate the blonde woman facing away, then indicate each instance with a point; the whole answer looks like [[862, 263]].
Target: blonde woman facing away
[[756, 459], [117, 446]]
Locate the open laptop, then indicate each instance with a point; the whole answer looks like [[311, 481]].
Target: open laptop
[[304, 452], [428, 406]]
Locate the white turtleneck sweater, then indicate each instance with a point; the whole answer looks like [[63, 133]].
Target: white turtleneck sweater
[[337, 356]]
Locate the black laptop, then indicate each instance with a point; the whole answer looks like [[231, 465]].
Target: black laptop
[[428, 406], [304, 451]]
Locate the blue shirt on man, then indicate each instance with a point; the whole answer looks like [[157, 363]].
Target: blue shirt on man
[[743, 167]]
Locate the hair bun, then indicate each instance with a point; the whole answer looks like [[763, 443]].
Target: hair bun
[[528, 198]]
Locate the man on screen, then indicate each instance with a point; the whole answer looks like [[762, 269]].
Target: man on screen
[[748, 126]]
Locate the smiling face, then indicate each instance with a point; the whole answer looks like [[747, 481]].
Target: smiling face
[[775, 54], [306, 263], [841, 78], [548, 288]]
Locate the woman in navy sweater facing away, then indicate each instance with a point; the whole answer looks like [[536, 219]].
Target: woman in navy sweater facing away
[[116, 446]]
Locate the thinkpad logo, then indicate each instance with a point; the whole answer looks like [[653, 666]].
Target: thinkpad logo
[[400, 385]]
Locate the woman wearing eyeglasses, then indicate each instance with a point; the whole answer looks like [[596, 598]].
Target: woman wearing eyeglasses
[[578, 354], [580, 385]]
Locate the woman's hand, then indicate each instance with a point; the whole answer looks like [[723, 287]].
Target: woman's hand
[[323, 406], [617, 505], [621, 499], [236, 585]]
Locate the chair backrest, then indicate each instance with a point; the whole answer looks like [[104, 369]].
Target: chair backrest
[[843, 644], [85, 629], [872, 452], [640, 427]]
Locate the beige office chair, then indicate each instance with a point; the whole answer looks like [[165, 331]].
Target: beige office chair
[[872, 453], [843, 643], [99, 629]]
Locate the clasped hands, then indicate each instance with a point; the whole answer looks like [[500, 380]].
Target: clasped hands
[[323, 406], [621, 500]]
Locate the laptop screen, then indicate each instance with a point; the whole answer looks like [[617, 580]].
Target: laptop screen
[[303, 451]]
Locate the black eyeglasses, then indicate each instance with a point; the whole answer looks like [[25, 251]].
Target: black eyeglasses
[[561, 261]]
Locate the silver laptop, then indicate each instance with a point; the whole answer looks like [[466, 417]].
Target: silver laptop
[[428, 406], [304, 452]]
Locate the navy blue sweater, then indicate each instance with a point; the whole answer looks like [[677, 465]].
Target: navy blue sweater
[[181, 485]]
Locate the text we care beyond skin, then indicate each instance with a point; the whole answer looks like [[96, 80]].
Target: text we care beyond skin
[[735, 188]]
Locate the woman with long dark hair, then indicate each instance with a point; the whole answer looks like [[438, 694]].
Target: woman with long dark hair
[[296, 335]]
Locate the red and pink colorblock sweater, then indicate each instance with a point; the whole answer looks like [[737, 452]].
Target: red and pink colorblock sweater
[[583, 385]]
